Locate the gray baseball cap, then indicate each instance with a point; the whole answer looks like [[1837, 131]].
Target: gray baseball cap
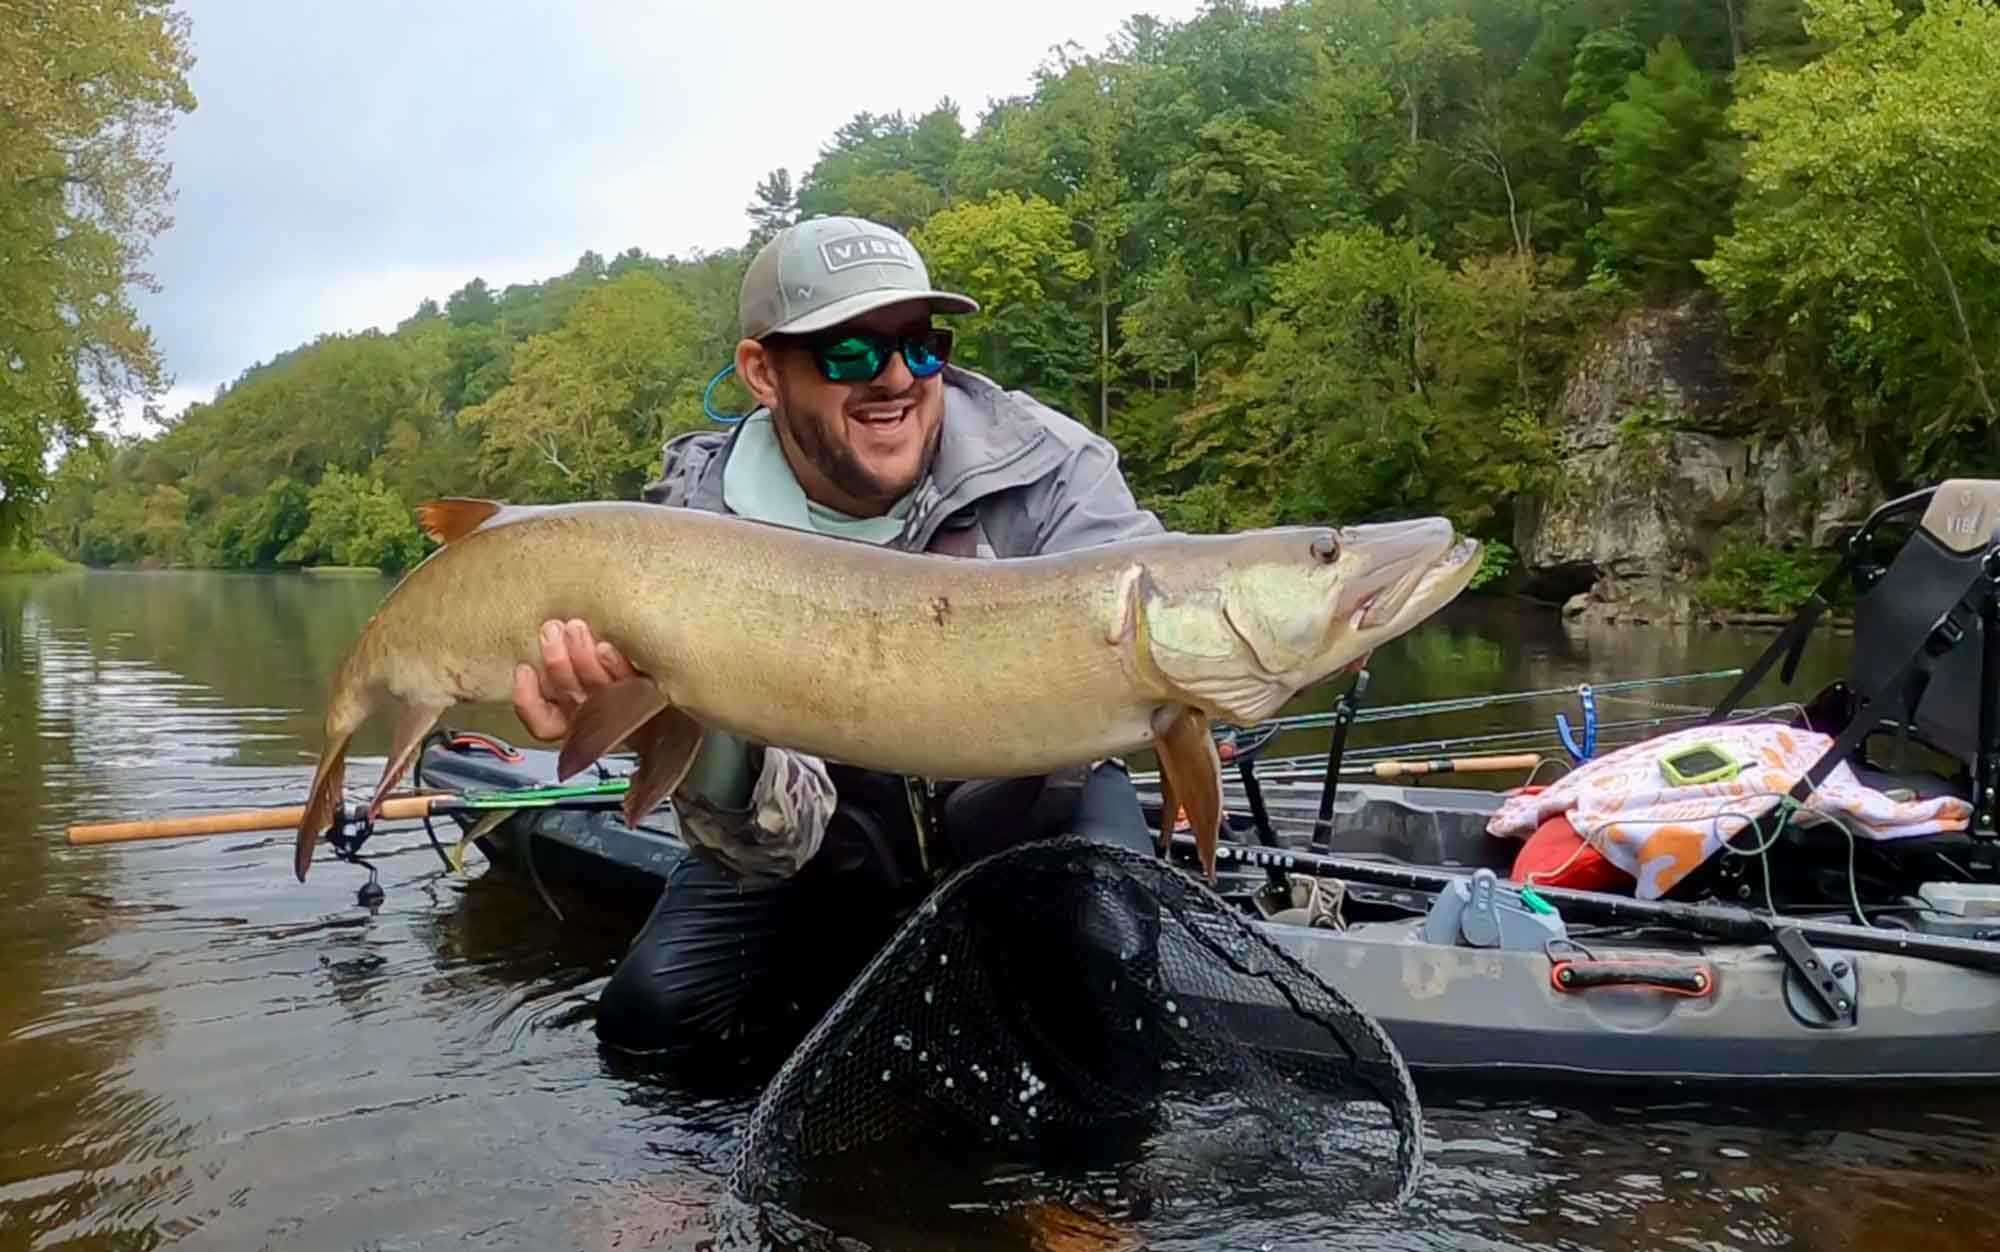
[[826, 270]]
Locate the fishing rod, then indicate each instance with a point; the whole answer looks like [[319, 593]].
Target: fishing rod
[[598, 795], [606, 794], [1612, 736], [1467, 704], [1544, 736], [1726, 922]]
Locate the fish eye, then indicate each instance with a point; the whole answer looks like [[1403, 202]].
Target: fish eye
[[1326, 548]]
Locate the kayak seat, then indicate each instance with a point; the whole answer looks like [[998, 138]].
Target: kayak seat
[[1919, 709], [1924, 671]]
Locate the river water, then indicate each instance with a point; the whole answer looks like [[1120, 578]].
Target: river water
[[198, 1051]]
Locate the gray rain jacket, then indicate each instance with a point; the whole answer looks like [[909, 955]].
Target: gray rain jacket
[[1012, 478]]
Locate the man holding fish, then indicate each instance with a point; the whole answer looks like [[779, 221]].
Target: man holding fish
[[801, 644], [865, 431]]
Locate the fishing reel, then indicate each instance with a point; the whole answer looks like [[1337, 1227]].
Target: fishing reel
[[345, 837]]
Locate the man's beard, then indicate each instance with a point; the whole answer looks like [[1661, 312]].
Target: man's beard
[[837, 460]]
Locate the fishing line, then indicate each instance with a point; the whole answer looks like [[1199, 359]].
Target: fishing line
[[417, 784], [1547, 760], [1537, 877], [1749, 822]]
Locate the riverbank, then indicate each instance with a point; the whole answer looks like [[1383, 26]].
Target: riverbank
[[35, 560], [1580, 609]]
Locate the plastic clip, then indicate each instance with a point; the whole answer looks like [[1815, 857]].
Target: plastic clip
[[727, 419], [1589, 746]]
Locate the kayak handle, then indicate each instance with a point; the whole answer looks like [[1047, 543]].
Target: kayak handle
[[1681, 978]]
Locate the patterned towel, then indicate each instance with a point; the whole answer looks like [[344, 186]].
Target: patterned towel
[[1659, 833]]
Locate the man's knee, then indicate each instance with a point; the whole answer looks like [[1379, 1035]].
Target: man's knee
[[686, 984], [721, 972], [1109, 812], [665, 997]]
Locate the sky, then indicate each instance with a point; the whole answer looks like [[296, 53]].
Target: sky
[[347, 160]]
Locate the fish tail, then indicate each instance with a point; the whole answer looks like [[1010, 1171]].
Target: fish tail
[[323, 802]]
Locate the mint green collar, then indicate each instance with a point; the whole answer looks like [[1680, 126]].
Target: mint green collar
[[758, 482]]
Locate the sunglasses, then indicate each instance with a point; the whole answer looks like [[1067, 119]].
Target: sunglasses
[[860, 356]]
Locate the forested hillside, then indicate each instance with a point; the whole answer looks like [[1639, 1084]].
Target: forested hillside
[[1305, 260]]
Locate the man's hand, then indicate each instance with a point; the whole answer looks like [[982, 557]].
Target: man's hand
[[575, 666]]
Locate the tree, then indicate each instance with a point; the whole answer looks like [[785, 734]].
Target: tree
[[1328, 418], [86, 92], [1017, 257], [1087, 118], [1164, 326], [357, 520], [587, 405], [1235, 199], [1872, 183], [888, 169], [775, 207], [1667, 128]]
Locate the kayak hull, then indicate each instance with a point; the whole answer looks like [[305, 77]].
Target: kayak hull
[[1454, 1010]]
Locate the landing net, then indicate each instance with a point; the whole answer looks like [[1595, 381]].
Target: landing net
[[1065, 999]]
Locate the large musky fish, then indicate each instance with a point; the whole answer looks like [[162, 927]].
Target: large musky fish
[[921, 664]]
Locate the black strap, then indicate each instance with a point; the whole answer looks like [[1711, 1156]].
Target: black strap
[[1790, 644]]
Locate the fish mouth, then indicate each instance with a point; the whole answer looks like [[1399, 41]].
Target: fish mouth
[[1396, 563], [1414, 572], [1425, 588]]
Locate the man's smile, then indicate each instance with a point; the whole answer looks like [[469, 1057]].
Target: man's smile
[[889, 413]]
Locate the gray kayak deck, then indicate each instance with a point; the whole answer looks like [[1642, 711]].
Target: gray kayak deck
[[1454, 1009]]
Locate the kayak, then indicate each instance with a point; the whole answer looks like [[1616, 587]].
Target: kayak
[[1645, 1005]]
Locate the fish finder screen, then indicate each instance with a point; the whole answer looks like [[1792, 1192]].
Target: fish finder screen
[[1698, 760]]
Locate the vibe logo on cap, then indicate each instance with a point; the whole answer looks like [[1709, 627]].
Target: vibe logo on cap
[[828, 270], [861, 249]]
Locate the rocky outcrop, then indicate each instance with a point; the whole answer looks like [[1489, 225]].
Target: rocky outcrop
[[1658, 475]]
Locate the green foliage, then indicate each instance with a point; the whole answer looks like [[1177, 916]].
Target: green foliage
[[1496, 561], [587, 406], [33, 559], [86, 93], [1864, 240], [892, 169], [1752, 578], [1307, 259], [357, 520], [1666, 166], [1015, 257], [776, 207]]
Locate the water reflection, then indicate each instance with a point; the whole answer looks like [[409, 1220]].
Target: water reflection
[[196, 1049]]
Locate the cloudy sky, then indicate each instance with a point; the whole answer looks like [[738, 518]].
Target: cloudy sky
[[349, 159]]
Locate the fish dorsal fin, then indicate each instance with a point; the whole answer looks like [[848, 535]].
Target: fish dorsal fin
[[454, 517]]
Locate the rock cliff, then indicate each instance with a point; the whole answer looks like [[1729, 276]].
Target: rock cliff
[[1658, 474]]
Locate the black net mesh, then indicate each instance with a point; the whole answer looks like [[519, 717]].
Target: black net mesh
[[1069, 1001]]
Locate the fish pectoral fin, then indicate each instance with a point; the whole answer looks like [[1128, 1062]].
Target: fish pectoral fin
[[1190, 778], [666, 745], [485, 825], [607, 717], [454, 517]]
